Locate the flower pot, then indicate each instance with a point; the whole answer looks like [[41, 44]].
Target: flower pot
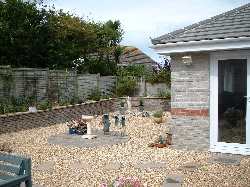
[[157, 120], [72, 131], [160, 145], [122, 110], [80, 133]]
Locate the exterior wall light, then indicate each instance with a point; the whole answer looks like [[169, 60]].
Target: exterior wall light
[[187, 60]]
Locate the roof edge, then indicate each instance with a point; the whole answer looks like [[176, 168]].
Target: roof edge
[[203, 45]]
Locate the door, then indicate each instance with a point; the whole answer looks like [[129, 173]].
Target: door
[[230, 102]]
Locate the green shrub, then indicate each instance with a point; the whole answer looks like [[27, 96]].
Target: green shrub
[[125, 86], [95, 94], [162, 93], [158, 114], [161, 77], [15, 104], [44, 106], [168, 95], [64, 103], [122, 103], [76, 100]]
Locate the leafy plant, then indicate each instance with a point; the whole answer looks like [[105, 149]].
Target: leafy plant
[[162, 93], [15, 104], [122, 104], [160, 140], [158, 114], [76, 100], [161, 77], [125, 86], [64, 103], [233, 113], [44, 106], [95, 94], [141, 102]]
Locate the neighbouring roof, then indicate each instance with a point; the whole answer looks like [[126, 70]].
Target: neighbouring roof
[[132, 55], [231, 24]]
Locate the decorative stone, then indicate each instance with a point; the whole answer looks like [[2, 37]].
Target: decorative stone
[[84, 166], [45, 166], [112, 166], [189, 166], [149, 165], [173, 180], [224, 159]]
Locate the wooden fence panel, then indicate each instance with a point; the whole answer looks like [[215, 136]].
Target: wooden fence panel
[[107, 85], [86, 83], [30, 82], [62, 85]]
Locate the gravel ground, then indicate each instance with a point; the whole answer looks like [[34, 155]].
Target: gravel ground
[[142, 130]]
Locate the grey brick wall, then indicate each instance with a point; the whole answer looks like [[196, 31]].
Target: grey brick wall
[[190, 90], [190, 133]]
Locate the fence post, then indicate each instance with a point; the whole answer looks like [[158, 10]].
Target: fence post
[[47, 82], [98, 81]]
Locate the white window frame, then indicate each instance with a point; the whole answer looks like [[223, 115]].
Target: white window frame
[[215, 146]]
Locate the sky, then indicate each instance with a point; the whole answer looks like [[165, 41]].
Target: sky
[[145, 19]]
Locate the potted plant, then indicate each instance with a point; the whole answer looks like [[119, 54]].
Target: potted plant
[[72, 127], [141, 105], [232, 115], [158, 116], [160, 142], [80, 130], [122, 109], [81, 126]]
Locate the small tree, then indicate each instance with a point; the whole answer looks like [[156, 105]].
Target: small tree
[[125, 86], [161, 73]]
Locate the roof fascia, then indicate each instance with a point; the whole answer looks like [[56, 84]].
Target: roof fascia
[[202, 45]]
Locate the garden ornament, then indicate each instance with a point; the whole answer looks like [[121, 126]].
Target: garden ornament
[[106, 123], [123, 126], [129, 103], [116, 119]]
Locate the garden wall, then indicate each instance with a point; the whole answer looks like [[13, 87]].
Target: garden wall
[[27, 120], [190, 102]]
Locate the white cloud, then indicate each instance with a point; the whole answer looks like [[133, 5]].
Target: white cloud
[[142, 19]]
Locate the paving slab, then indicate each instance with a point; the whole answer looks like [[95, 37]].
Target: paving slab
[[45, 166], [173, 180], [189, 166], [33, 185], [225, 159], [149, 165], [83, 166], [112, 166], [75, 140]]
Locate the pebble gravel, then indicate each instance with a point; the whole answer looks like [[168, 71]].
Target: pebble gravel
[[34, 143]]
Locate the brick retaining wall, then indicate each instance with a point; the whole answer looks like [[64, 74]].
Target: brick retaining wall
[[26, 120]]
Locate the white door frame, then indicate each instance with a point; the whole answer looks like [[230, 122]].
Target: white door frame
[[215, 146]]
